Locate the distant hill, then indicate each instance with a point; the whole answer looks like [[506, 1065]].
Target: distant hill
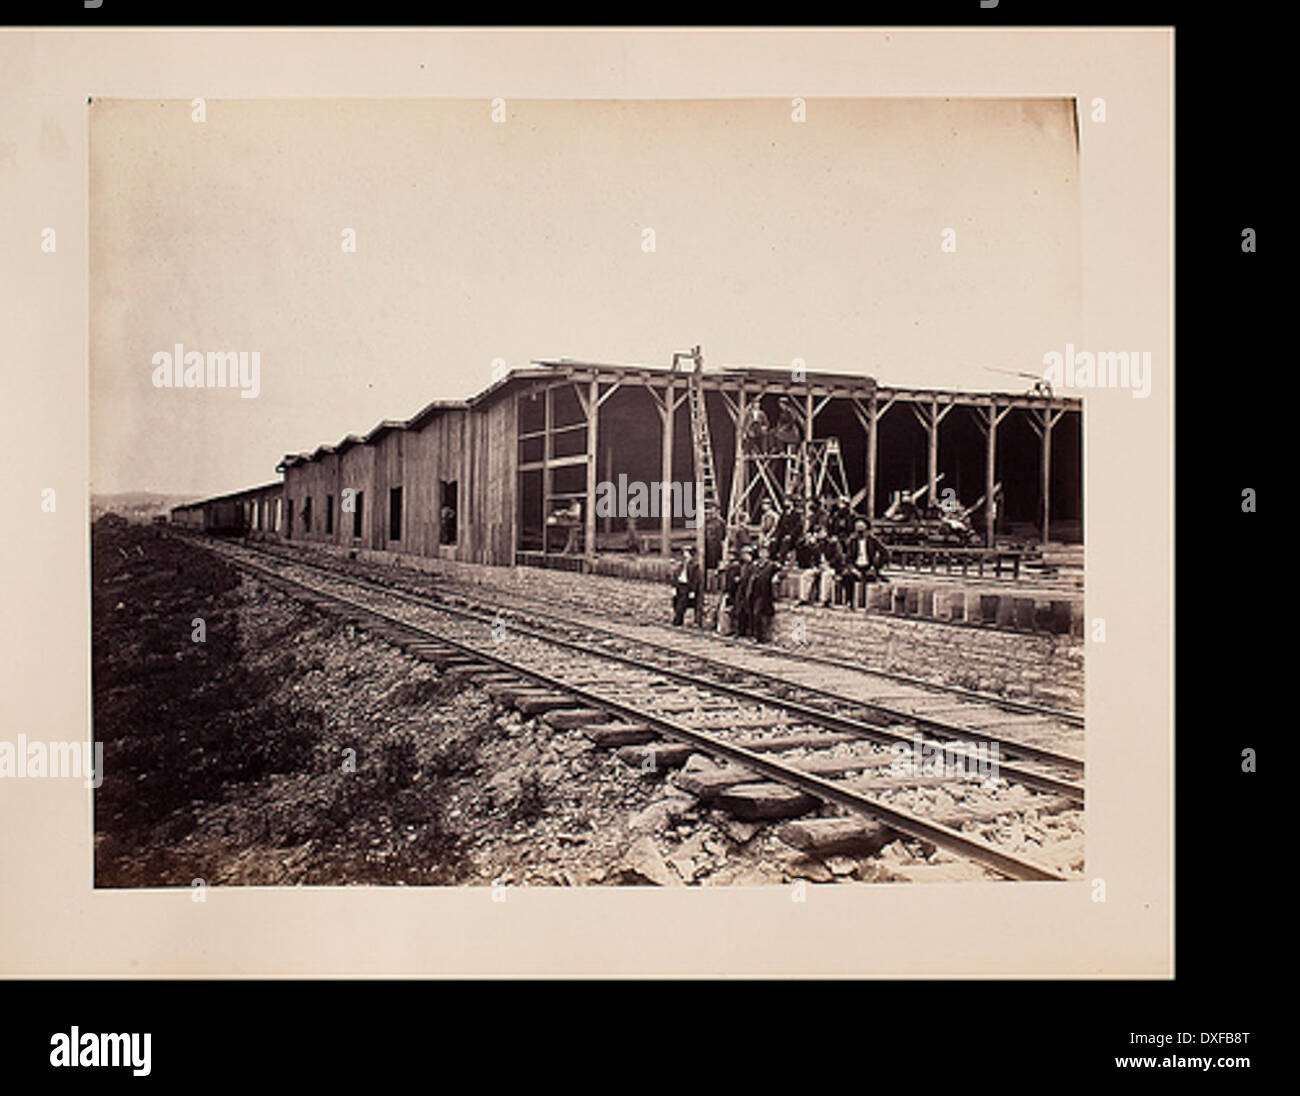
[[135, 505]]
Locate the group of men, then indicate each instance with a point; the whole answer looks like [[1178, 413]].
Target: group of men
[[758, 436], [748, 592], [835, 548]]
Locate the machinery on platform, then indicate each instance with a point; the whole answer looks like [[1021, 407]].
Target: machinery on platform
[[909, 521]]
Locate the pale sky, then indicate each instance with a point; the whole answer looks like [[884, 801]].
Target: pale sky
[[477, 240]]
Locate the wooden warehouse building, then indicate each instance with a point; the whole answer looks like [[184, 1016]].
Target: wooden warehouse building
[[482, 480]]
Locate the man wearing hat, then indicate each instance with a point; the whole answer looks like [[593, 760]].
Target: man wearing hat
[[688, 588], [866, 559], [762, 595], [741, 603], [729, 574]]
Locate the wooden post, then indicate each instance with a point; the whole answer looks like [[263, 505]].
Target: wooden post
[[666, 471], [932, 462], [593, 422], [546, 470], [696, 377], [807, 449], [872, 434], [990, 474], [609, 464], [1047, 471], [738, 483]]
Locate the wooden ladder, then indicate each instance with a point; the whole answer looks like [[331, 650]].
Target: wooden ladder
[[702, 442], [708, 505]]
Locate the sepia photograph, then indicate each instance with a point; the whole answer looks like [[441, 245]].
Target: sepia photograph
[[557, 493]]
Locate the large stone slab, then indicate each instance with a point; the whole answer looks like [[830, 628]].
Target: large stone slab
[[837, 836], [765, 802], [988, 611], [654, 757], [643, 864], [709, 780]]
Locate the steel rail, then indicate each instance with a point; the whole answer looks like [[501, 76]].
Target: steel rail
[[904, 821], [1024, 750], [832, 721], [1020, 707]]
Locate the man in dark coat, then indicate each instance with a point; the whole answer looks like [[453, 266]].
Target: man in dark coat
[[741, 602], [789, 529], [841, 522], [715, 534], [817, 517], [688, 589], [865, 556], [730, 584], [808, 560], [857, 559], [762, 595], [877, 554], [786, 431]]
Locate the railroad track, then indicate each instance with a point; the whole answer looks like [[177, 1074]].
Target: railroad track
[[533, 607], [783, 753], [685, 639]]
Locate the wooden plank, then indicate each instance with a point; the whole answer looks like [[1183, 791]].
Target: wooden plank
[[618, 734], [990, 471], [593, 425], [666, 471]]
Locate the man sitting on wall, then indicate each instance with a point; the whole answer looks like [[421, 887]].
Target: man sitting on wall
[[688, 589], [840, 522], [877, 554], [808, 558], [835, 566], [789, 530], [858, 567]]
